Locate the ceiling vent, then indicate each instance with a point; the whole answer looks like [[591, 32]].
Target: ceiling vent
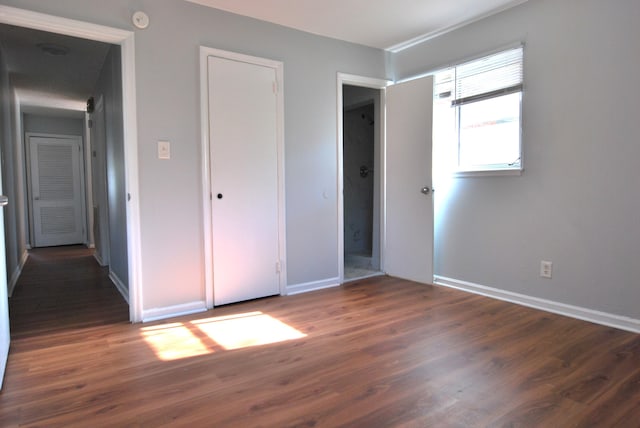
[[53, 49]]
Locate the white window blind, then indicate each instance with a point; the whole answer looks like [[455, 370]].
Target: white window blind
[[488, 77]]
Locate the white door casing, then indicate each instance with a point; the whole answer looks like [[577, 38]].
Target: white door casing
[[5, 335], [409, 202], [100, 208], [373, 83], [57, 190], [244, 177], [126, 40]]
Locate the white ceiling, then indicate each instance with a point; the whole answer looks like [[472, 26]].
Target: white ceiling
[[384, 24], [45, 82]]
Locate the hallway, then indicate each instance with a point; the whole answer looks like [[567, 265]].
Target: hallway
[[63, 288]]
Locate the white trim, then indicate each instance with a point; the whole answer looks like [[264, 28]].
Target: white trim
[[487, 172], [585, 314], [4, 356], [366, 82], [130, 134], [312, 286], [40, 21], [88, 182], [278, 67], [56, 24], [173, 311], [358, 278], [123, 289], [13, 281], [99, 259], [432, 35]]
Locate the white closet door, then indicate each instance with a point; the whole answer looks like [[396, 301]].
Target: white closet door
[[56, 186], [409, 202], [244, 180]]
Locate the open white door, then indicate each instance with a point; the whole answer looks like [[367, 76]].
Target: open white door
[[5, 336], [57, 190], [409, 202]]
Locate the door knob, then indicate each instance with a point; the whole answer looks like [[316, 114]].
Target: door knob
[[425, 190], [3, 200]]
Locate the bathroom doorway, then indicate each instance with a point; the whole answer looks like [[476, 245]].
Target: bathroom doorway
[[361, 181]]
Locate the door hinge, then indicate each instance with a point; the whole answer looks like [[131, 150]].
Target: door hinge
[[275, 87], [278, 267]]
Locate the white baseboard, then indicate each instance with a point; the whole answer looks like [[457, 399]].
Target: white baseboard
[[173, 311], [99, 259], [123, 289], [4, 354], [13, 280], [585, 314], [311, 286]]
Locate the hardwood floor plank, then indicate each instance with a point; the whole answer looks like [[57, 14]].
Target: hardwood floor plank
[[377, 352]]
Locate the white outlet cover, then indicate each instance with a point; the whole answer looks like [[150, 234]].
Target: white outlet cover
[[164, 150], [546, 269]]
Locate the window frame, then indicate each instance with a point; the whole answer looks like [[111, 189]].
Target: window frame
[[487, 169]]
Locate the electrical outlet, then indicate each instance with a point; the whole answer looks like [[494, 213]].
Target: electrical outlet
[[164, 150], [545, 269]]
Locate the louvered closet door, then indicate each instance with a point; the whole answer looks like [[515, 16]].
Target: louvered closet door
[[56, 191]]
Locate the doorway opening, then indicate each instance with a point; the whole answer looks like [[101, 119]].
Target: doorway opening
[[361, 178], [121, 200]]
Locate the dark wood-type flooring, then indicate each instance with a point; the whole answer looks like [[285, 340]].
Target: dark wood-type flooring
[[381, 352]]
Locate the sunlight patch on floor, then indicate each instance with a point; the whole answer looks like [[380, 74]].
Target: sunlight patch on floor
[[174, 341], [250, 329], [205, 336]]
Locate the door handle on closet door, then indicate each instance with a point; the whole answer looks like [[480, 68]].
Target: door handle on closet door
[[3, 200]]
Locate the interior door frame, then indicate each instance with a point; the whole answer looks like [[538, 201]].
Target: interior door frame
[[126, 40], [381, 85], [76, 138], [103, 248], [207, 195]]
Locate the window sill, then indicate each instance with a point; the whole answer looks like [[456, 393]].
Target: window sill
[[488, 172]]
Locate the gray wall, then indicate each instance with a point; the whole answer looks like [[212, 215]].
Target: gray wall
[[52, 125], [109, 85], [168, 97], [576, 202], [11, 153]]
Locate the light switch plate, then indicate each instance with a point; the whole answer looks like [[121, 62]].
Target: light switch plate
[[164, 150]]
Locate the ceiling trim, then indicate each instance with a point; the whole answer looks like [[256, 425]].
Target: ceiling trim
[[56, 24], [434, 34]]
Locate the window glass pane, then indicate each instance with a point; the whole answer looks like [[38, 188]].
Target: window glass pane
[[490, 133]]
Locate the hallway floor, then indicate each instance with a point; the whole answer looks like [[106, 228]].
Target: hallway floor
[[63, 288]]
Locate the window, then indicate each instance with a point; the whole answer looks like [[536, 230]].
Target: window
[[480, 102]]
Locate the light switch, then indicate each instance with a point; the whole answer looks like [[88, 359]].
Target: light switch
[[164, 150]]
